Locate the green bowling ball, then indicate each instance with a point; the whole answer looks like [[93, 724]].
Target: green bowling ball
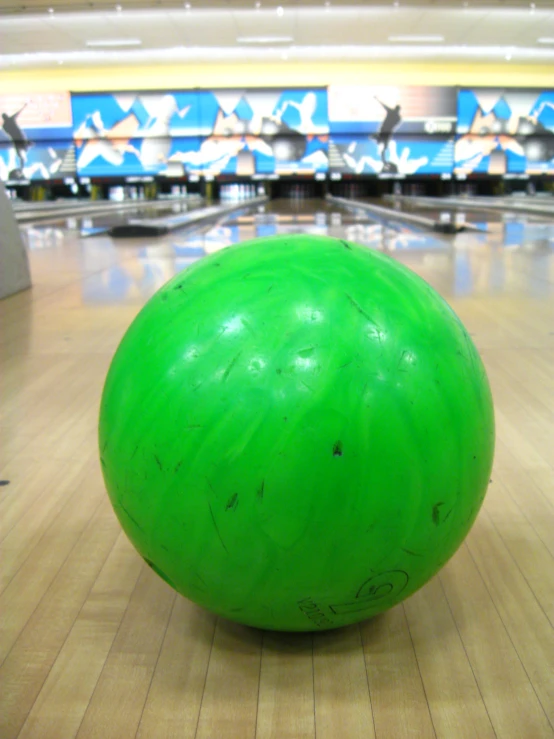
[[296, 433]]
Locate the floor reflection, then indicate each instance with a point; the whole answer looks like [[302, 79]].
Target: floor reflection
[[45, 237], [508, 256]]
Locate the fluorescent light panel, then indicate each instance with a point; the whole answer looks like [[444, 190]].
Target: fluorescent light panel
[[115, 42], [417, 39], [264, 39], [545, 40], [260, 52]]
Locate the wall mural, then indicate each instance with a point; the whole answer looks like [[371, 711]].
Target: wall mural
[[241, 132], [505, 131], [392, 130], [345, 129], [36, 136]]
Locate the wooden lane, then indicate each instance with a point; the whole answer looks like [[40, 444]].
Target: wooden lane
[[94, 644]]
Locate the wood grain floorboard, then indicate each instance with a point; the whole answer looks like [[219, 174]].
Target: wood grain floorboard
[[94, 645]]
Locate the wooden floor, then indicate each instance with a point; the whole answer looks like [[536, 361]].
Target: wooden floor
[[94, 644]]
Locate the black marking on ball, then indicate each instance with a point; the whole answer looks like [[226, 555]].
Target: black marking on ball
[[200, 578], [378, 587], [358, 307], [409, 551], [346, 245], [312, 611], [133, 520], [179, 465], [337, 449], [278, 370], [216, 526], [232, 503], [261, 490], [4, 482], [230, 366], [158, 461], [158, 572], [436, 512]]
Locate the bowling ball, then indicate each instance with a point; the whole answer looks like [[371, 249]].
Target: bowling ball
[[296, 433]]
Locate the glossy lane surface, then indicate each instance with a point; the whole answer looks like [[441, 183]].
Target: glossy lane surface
[[94, 643]]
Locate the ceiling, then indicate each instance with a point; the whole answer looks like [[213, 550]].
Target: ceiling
[[44, 33], [32, 6]]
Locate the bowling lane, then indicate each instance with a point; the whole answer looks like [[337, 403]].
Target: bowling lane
[[109, 270], [502, 261], [476, 211], [325, 218], [444, 213], [106, 213], [508, 257], [506, 229]]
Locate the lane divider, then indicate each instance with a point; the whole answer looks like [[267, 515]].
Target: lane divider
[[57, 211], [148, 227], [481, 203], [391, 214]]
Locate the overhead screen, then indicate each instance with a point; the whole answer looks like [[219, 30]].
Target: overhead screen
[[242, 132], [505, 131], [36, 136], [391, 130], [345, 130]]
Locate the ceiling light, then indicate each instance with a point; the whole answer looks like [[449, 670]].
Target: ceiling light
[[284, 56], [50, 10], [118, 8], [545, 40], [264, 39], [417, 39], [110, 54], [280, 10], [187, 6], [258, 6], [115, 42]]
